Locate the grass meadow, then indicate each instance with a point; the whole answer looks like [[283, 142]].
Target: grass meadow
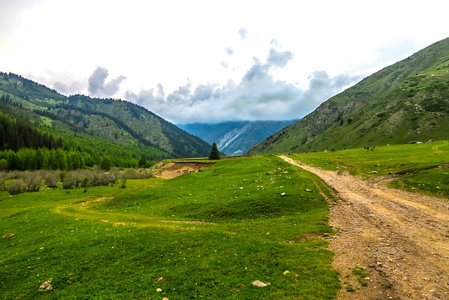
[[418, 167], [201, 235]]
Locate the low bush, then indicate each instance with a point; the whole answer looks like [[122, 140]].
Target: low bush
[[32, 181], [50, 178], [15, 186]]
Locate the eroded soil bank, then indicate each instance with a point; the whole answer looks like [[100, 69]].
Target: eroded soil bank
[[174, 169]]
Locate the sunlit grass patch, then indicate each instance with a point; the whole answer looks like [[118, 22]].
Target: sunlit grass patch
[[208, 234]]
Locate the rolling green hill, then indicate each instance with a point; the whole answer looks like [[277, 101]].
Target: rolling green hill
[[407, 101], [100, 127]]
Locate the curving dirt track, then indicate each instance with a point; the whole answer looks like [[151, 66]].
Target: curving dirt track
[[400, 239]]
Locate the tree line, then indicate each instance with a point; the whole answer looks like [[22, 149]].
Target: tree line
[[43, 159], [16, 134]]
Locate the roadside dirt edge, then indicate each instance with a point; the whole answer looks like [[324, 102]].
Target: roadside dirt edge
[[389, 244]]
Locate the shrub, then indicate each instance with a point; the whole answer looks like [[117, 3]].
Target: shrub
[[123, 181], [4, 176], [19, 181], [62, 175], [32, 181], [68, 183], [16, 186], [50, 178], [73, 179], [3, 164]]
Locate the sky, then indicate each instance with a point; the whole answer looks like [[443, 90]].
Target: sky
[[212, 61]]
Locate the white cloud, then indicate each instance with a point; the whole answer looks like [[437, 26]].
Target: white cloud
[[69, 89], [60, 43], [258, 96], [229, 51], [243, 32], [98, 86]]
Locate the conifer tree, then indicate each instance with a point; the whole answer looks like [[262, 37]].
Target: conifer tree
[[105, 163], [143, 161], [214, 154]]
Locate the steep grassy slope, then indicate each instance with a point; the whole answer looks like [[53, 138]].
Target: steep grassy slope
[[83, 120], [401, 103]]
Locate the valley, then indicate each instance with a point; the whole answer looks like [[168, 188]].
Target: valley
[[208, 234], [104, 199], [93, 127], [235, 138], [255, 227]]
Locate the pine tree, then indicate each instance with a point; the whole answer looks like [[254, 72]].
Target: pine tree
[[105, 163], [143, 161], [214, 154]]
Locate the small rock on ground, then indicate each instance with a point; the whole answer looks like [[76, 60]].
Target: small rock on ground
[[46, 286], [260, 283]]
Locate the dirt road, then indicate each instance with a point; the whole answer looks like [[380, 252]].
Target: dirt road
[[399, 239]]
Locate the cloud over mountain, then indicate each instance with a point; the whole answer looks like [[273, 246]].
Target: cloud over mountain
[[97, 86], [69, 89], [257, 97]]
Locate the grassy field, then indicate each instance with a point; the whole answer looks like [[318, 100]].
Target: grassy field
[[201, 235], [424, 165]]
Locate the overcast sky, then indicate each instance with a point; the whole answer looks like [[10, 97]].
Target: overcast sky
[[211, 61]]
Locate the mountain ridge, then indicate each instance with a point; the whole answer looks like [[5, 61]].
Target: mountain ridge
[[387, 107], [85, 122]]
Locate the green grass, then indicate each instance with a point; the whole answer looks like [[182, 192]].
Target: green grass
[[207, 234], [433, 182], [46, 121], [423, 164], [349, 288], [361, 275]]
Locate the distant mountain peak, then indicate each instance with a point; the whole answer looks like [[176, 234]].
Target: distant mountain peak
[[235, 137]]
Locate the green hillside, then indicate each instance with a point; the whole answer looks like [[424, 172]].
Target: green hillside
[[206, 235], [99, 127], [407, 101]]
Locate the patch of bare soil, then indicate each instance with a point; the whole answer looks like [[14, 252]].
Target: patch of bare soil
[[399, 239], [187, 222], [174, 169]]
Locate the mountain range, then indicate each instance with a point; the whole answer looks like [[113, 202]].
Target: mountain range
[[99, 127], [402, 103], [405, 102], [235, 138]]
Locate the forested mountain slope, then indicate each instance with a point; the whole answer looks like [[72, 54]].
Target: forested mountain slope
[[95, 126], [401, 103]]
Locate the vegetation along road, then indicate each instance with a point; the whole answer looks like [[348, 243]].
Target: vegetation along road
[[391, 242]]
